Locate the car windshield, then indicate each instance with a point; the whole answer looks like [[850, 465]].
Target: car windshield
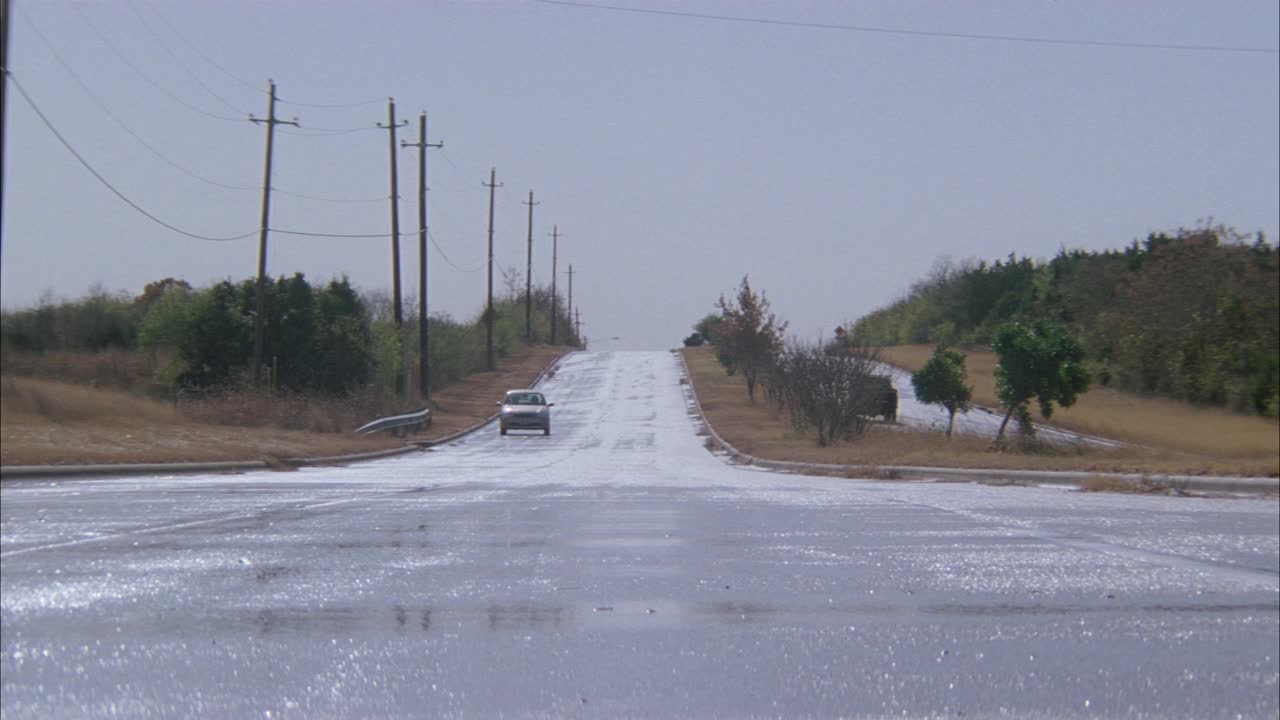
[[525, 399]]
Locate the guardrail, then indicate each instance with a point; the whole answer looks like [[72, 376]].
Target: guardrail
[[397, 423]]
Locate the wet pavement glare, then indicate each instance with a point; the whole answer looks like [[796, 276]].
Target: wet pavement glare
[[619, 569]]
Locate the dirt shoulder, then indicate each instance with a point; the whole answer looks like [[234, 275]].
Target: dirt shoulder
[[760, 429], [50, 423]]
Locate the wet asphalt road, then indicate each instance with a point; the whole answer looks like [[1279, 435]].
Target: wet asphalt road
[[617, 569]]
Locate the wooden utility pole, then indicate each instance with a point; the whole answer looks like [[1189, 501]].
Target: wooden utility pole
[[555, 242], [424, 365], [528, 276], [4, 91], [395, 213], [569, 308], [259, 320], [488, 312]]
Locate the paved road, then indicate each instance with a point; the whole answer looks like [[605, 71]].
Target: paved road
[[618, 569]]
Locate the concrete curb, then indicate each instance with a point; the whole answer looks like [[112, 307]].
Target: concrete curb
[[1189, 483], [34, 471], [16, 472]]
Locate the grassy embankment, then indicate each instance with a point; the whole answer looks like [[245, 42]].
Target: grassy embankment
[[44, 422], [1173, 438]]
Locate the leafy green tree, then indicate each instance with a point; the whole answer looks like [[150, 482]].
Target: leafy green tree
[[342, 361], [750, 334], [217, 338], [942, 381], [711, 329], [1042, 361]]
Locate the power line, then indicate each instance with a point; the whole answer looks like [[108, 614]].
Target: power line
[[361, 103], [178, 61], [22, 91], [321, 198], [338, 235], [107, 111], [110, 45], [325, 132], [65, 143], [155, 151], [203, 56], [176, 33], [379, 236], [452, 264], [916, 33], [449, 160]]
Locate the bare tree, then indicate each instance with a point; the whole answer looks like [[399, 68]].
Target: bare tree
[[834, 392], [513, 284]]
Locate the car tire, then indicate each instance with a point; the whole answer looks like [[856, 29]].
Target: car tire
[[502, 429], [547, 430]]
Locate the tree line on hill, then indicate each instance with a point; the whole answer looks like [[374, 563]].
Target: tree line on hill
[[325, 339], [1192, 316]]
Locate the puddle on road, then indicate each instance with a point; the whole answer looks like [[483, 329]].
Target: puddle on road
[[652, 614], [634, 541]]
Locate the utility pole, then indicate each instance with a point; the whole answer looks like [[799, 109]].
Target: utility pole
[[259, 320], [569, 309], [395, 211], [528, 275], [555, 242], [424, 365], [488, 312], [4, 91]]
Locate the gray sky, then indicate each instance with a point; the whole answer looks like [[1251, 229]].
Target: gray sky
[[676, 153]]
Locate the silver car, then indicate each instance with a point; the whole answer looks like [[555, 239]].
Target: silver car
[[524, 410]]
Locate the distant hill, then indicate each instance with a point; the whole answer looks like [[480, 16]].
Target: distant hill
[[1193, 316]]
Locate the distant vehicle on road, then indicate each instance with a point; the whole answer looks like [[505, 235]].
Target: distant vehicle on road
[[882, 400], [524, 410]]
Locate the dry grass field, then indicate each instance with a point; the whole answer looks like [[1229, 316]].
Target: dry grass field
[[1153, 422], [761, 430], [44, 422]]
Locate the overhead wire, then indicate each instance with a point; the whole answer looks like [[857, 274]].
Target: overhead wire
[[305, 233], [279, 99], [155, 151], [309, 131], [182, 65], [444, 255], [146, 77], [65, 143], [107, 111], [174, 30], [151, 81], [205, 56], [915, 33], [361, 103], [321, 198]]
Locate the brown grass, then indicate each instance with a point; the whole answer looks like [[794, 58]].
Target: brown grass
[[762, 430], [108, 369], [44, 422], [1153, 422]]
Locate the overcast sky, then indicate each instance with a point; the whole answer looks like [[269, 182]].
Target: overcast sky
[[833, 162]]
